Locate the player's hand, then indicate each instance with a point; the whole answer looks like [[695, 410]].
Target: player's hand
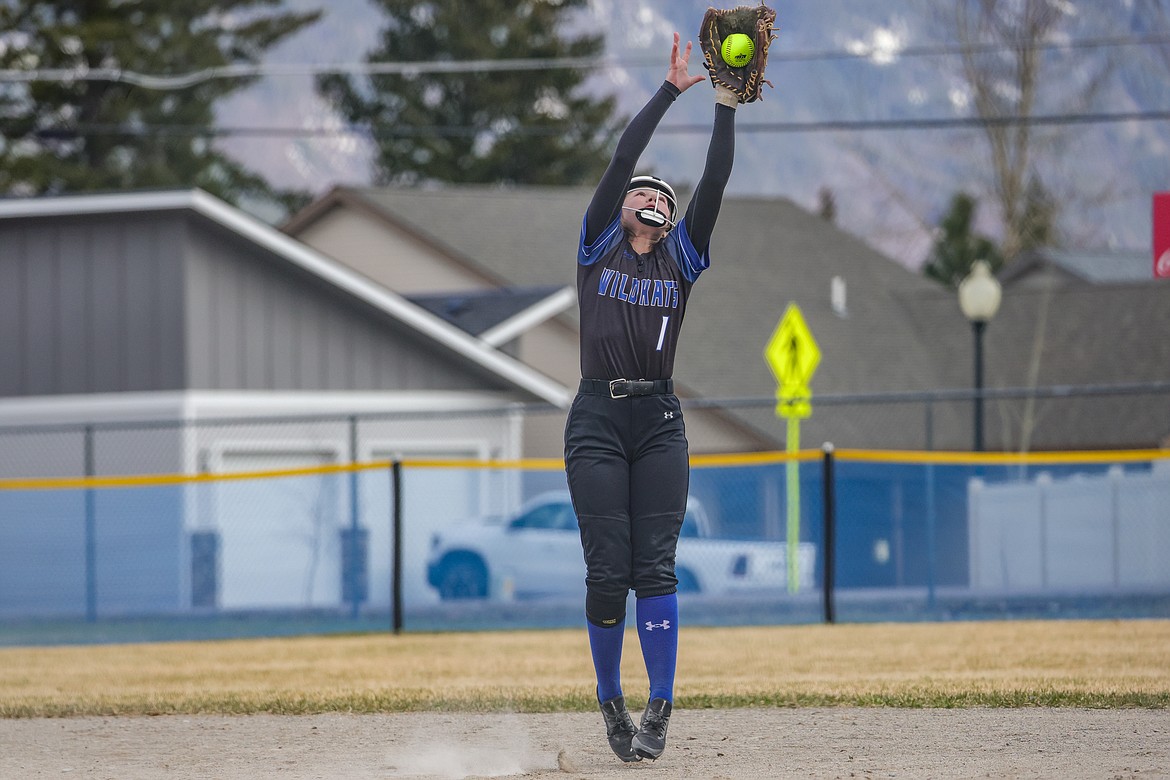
[[677, 74]]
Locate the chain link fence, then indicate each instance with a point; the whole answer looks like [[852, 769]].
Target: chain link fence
[[123, 531]]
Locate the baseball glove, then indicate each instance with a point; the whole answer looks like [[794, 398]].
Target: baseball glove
[[756, 22]]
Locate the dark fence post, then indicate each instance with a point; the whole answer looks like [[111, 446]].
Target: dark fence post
[[931, 521], [829, 485], [90, 531], [354, 545], [396, 556]]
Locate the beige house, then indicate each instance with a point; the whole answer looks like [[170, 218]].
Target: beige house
[[896, 367], [485, 273]]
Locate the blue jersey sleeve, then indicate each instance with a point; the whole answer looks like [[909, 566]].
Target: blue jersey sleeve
[[588, 255], [690, 261]]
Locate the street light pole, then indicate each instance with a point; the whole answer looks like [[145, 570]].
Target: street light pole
[[979, 298], [978, 326]]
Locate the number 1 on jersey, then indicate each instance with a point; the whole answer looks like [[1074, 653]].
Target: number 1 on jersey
[[662, 333]]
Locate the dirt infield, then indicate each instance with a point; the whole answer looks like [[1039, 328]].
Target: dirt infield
[[744, 743]]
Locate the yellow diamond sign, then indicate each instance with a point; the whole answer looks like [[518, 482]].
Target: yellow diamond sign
[[793, 355]]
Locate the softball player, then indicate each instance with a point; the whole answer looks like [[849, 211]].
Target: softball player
[[625, 447]]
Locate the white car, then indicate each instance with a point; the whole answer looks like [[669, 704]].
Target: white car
[[537, 553]]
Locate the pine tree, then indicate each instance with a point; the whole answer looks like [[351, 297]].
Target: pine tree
[[520, 126], [827, 205], [957, 246], [79, 135]]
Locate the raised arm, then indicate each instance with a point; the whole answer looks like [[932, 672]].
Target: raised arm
[[611, 190], [734, 84], [703, 210]]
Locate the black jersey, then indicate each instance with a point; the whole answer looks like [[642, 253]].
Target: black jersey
[[632, 305]]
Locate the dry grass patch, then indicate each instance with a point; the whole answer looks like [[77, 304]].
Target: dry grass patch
[[1056, 663]]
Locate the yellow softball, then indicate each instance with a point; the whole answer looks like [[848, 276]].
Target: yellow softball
[[738, 50]]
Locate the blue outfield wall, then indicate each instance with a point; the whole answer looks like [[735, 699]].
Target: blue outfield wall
[[474, 545], [67, 552]]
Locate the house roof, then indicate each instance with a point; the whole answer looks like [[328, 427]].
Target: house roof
[[886, 329], [1102, 266], [516, 234], [1080, 337], [297, 254], [766, 254], [485, 311]]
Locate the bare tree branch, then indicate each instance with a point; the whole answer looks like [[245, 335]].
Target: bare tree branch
[[1006, 85]]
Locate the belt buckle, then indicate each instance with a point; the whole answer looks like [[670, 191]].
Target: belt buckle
[[613, 389]]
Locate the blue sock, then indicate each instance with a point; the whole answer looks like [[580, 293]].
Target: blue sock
[[658, 633], [606, 646]]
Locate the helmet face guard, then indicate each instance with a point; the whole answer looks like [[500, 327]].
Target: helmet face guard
[[663, 193]]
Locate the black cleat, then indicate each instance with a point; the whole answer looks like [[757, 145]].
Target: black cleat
[[650, 740], [619, 727]]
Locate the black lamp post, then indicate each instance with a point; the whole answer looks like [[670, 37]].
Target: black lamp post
[[979, 297]]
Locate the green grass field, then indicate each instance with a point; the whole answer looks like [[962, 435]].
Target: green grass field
[[968, 664]]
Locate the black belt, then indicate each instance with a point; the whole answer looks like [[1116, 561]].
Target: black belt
[[621, 388]]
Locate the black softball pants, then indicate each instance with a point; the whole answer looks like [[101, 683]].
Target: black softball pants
[[628, 472]]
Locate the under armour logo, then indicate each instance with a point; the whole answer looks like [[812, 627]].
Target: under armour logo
[[668, 415], [664, 625]]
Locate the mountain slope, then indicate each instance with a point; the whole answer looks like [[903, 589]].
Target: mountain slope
[[890, 185]]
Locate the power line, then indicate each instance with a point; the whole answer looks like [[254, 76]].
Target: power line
[[950, 50], [862, 125], [463, 67], [247, 71], [450, 131]]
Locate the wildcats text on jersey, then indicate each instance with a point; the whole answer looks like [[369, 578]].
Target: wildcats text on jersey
[[658, 293]]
